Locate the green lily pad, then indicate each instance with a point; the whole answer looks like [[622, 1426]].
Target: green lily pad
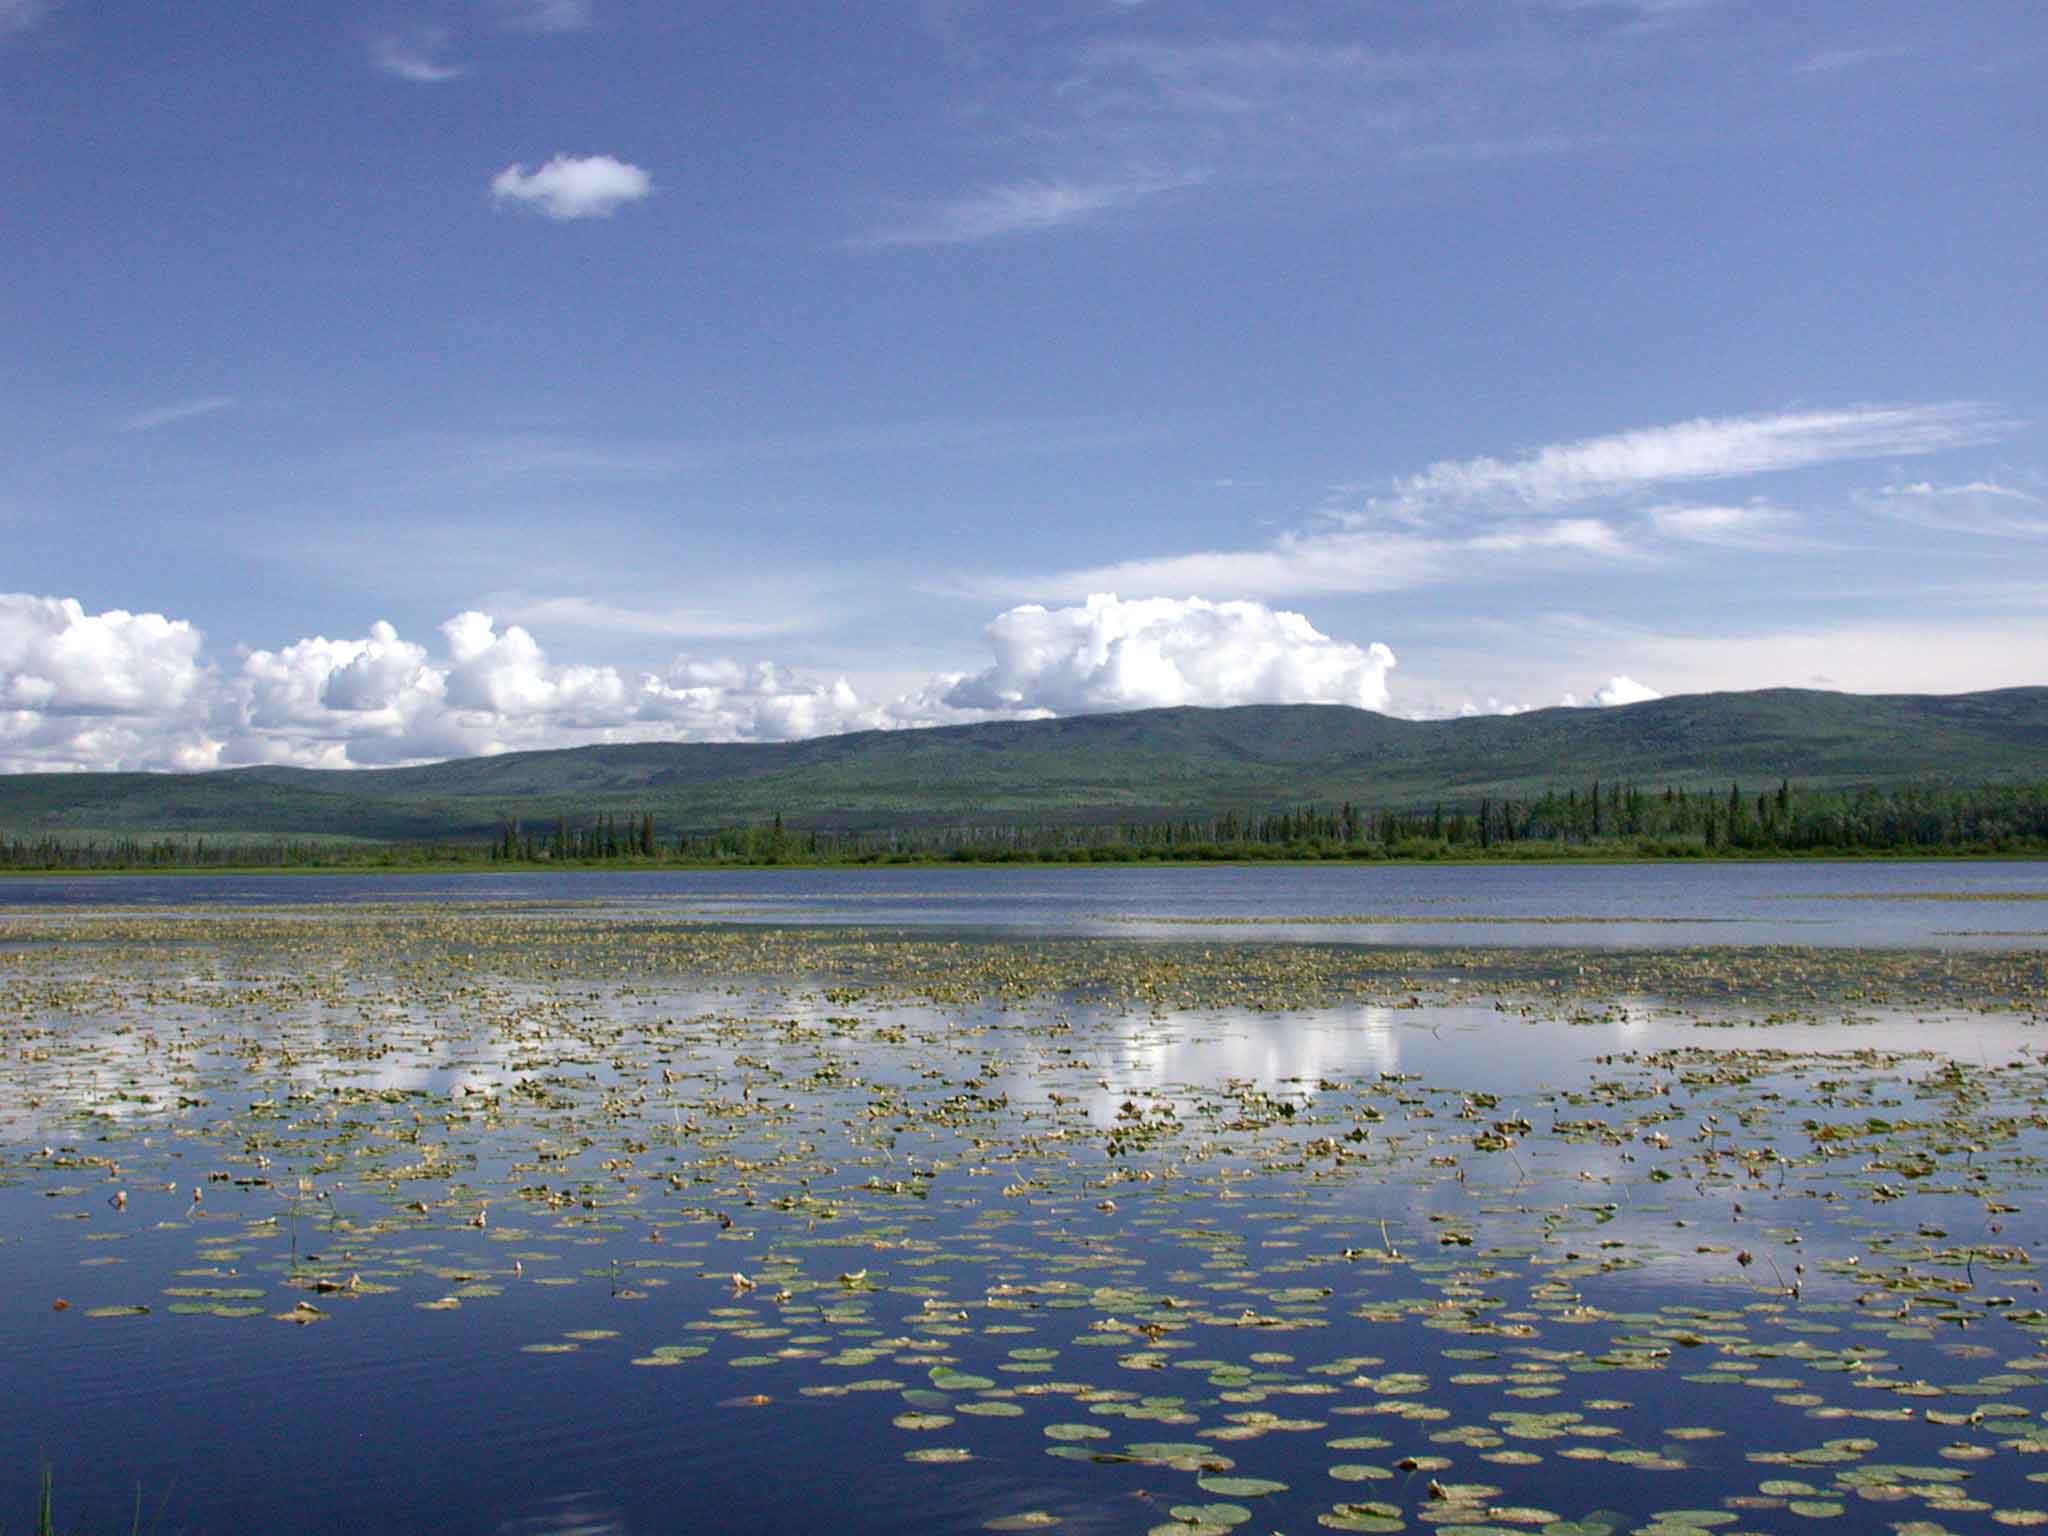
[[1216, 1516], [1075, 1432], [1241, 1487]]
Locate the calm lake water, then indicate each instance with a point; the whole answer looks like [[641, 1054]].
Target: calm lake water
[[1938, 904], [369, 1213]]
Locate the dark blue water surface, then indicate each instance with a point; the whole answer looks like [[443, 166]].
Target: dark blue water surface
[[1886, 904]]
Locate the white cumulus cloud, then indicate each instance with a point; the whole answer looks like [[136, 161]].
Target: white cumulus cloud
[[58, 659], [1616, 690], [1109, 654], [573, 187], [99, 690], [321, 703], [1623, 690], [508, 674], [718, 699], [378, 673]]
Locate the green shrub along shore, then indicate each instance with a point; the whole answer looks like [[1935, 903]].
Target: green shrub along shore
[[1601, 822]]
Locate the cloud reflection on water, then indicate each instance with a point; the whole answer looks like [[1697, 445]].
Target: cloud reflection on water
[[567, 1514]]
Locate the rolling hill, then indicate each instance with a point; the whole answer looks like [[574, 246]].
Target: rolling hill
[[1133, 766]]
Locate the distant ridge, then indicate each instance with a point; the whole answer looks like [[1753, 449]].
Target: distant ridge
[[1132, 766]]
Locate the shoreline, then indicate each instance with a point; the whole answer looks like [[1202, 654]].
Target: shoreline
[[395, 867]]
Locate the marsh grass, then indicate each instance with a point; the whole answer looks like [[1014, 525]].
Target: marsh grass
[[46, 1507]]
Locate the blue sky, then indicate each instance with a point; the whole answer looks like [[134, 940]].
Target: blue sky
[[388, 382]]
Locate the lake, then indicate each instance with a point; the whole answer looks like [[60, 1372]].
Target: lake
[[1886, 904], [1638, 1198]]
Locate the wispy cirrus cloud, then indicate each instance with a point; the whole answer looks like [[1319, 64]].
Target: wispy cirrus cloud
[[1292, 564], [1255, 108], [1834, 61], [538, 457], [1026, 207], [594, 615], [415, 54], [1238, 76], [1568, 535], [1341, 97], [182, 410], [1341, 560], [1709, 448], [543, 16], [1189, 110], [423, 53], [1635, 15], [1566, 505], [1743, 527], [1975, 506], [20, 15]]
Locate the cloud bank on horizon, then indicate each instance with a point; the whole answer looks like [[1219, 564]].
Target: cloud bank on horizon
[[119, 690]]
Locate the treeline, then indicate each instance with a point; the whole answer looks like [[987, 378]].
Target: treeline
[[1614, 819], [1620, 820], [50, 852]]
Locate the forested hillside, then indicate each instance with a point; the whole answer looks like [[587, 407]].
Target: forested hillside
[[1154, 767]]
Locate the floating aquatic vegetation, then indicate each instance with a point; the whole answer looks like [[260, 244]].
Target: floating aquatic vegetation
[[1285, 1234]]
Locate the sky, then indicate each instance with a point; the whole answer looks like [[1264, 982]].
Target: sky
[[383, 383]]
